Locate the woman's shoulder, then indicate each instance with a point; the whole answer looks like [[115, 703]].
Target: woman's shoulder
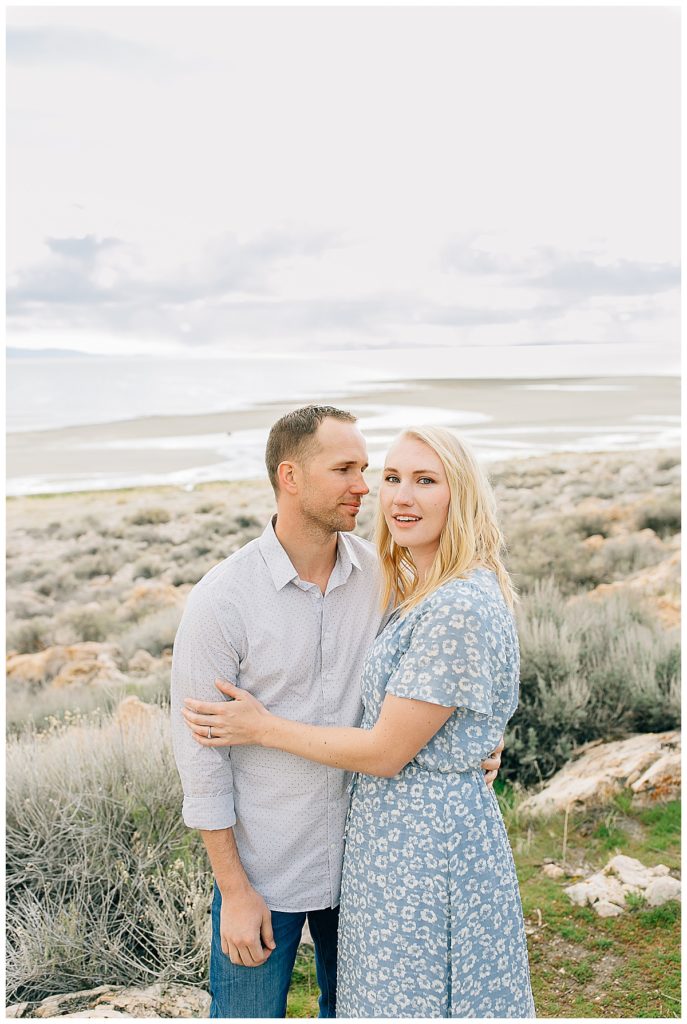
[[462, 594], [479, 586]]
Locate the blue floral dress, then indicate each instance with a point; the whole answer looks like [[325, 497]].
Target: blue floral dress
[[431, 921]]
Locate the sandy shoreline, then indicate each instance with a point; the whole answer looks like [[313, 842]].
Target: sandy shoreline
[[528, 409]]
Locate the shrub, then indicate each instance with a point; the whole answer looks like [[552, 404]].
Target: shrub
[[81, 624], [589, 670], [148, 568], [105, 883], [101, 564], [149, 517], [155, 633], [30, 637], [664, 517]]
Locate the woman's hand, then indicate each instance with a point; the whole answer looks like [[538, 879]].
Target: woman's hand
[[492, 764], [236, 722]]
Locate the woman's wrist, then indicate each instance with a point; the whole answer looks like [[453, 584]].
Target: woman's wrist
[[268, 730]]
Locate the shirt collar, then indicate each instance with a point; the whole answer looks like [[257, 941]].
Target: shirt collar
[[281, 567]]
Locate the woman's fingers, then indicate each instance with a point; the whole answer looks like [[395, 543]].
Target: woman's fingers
[[205, 720], [204, 707]]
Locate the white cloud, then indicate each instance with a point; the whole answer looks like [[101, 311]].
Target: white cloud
[[311, 176]]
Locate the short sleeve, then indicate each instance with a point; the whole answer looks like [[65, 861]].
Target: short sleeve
[[447, 658]]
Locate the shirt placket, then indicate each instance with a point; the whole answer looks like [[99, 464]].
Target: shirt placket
[[330, 706], [326, 666]]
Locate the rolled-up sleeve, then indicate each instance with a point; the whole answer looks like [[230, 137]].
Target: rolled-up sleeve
[[202, 653]]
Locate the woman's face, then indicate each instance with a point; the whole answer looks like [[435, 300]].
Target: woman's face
[[414, 495]]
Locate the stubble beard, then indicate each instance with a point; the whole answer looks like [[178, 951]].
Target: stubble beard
[[325, 519]]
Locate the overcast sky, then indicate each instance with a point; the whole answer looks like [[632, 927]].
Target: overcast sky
[[328, 178]]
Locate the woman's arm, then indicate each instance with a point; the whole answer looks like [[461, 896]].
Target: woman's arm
[[403, 728]]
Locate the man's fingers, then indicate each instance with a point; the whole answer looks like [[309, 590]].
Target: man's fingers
[[499, 749], [253, 955], [491, 764], [266, 933], [233, 953], [489, 778]]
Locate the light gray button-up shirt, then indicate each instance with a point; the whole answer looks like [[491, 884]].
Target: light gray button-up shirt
[[252, 621]]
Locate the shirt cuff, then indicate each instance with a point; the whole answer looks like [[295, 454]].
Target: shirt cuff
[[209, 812]]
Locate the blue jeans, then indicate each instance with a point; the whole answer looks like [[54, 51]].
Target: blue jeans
[[239, 991]]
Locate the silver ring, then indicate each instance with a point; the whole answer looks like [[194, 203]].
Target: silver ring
[[209, 732]]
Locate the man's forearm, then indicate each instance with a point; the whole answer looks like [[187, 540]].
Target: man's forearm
[[226, 864]]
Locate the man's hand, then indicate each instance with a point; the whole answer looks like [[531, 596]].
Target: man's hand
[[492, 764], [246, 928]]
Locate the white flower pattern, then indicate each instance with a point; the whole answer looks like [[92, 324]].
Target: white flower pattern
[[431, 921]]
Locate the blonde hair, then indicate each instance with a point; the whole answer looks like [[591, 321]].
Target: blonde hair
[[470, 538]]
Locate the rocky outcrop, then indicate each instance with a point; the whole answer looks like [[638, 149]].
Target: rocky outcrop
[[150, 596], [132, 713], [648, 764], [659, 585], [606, 890], [161, 1000], [64, 665], [142, 663]]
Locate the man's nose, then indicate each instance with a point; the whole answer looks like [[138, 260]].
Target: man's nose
[[360, 487]]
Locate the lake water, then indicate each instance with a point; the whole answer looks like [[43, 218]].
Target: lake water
[[506, 419]]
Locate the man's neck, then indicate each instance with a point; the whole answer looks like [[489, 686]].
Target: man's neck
[[312, 551]]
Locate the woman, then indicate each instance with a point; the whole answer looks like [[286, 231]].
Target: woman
[[431, 922]]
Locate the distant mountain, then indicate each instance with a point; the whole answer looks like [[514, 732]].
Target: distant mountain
[[46, 353]]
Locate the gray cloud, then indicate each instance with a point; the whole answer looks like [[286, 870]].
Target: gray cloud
[[575, 277], [585, 277], [59, 45], [87, 283], [68, 289]]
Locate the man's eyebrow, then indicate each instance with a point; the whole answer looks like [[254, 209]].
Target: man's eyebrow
[[350, 462]]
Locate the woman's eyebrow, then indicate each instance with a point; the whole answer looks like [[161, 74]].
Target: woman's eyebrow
[[434, 472]]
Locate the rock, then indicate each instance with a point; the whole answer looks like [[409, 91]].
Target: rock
[[594, 542], [601, 770], [553, 871], [659, 584], [159, 1000], [150, 596], [661, 781], [142, 663], [48, 664], [631, 872], [606, 909], [16, 1009], [132, 713], [61, 1005], [663, 889], [605, 891], [90, 663]]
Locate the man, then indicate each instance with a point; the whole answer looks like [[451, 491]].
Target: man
[[290, 618]]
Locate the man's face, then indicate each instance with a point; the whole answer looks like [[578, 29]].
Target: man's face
[[332, 484]]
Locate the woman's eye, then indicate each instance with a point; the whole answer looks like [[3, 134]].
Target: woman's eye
[[391, 479], [426, 480]]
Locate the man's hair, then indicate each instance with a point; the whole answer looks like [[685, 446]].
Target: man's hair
[[293, 436]]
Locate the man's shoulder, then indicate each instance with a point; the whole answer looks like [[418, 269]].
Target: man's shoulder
[[221, 579]]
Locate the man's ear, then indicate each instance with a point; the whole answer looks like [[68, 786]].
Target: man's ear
[[286, 474]]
